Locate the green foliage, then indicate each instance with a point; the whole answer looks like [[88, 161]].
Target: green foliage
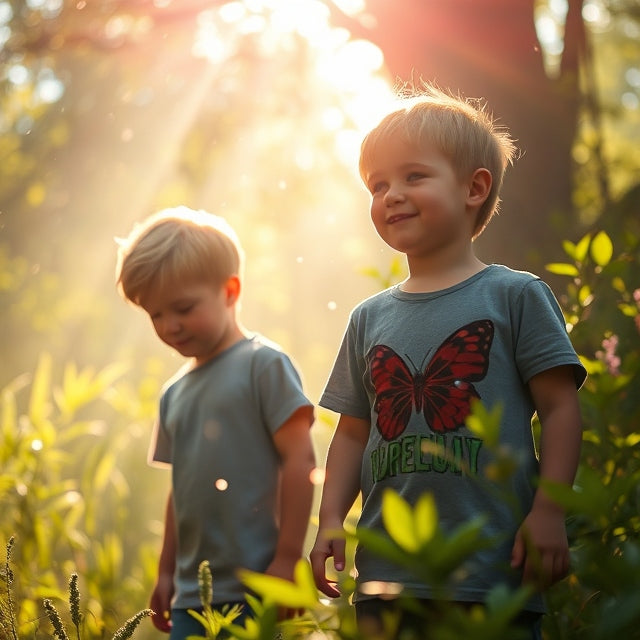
[[66, 498], [600, 599], [212, 620], [416, 541], [9, 624]]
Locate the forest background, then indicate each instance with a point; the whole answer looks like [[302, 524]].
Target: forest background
[[254, 110]]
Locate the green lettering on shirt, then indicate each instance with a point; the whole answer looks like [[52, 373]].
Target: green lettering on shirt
[[442, 453]]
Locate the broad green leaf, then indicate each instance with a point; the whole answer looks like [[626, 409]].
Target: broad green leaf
[[562, 269], [582, 248], [569, 249], [592, 366], [629, 310], [380, 545], [601, 249], [303, 576], [295, 595], [398, 521], [485, 424], [425, 518]]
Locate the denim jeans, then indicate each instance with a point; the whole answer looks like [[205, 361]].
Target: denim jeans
[[183, 624]]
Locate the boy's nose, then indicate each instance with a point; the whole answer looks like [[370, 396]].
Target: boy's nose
[[394, 194], [170, 326]]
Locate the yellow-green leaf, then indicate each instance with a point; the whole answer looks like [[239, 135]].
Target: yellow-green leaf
[[301, 594], [581, 248], [563, 269], [601, 249], [425, 518], [398, 521], [569, 248]]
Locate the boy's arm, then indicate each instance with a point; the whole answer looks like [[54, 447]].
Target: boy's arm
[[341, 488], [541, 546], [164, 588], [297, 460]]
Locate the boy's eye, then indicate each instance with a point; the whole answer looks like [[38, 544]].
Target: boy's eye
[[412, 177], [376, 187], [184, 310]]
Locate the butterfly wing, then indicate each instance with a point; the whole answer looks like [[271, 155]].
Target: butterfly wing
[[463, 358], [394, 385]]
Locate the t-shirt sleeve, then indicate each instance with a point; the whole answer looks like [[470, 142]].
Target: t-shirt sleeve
[[345, 391], [280, 390], [160, 446], [542, 341]]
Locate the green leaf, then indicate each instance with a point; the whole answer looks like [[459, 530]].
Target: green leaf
[[301, 594], [425, 518], [601, 249], [569, 249], [629, 310], [562, 269], [383, 547], [398, 521], [485, 424], [581, 248]]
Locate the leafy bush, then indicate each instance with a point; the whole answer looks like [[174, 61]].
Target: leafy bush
[[66, 495], [67, 498], [600, 599]]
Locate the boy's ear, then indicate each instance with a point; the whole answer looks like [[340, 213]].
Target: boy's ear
[[479, 187], [232, 288]]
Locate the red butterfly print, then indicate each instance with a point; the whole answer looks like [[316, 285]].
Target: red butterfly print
[[443, 392]]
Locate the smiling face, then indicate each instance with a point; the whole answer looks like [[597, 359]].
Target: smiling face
[[419, 205], [196, 319]]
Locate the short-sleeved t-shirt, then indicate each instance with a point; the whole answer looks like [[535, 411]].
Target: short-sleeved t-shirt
[[411, 364], [215, 429]]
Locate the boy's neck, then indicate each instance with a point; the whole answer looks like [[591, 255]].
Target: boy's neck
[[425, 277]]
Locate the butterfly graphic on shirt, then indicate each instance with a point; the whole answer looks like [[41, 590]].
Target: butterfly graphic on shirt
[[443, 392]]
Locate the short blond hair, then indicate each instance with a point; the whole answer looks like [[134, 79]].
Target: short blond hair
[[174, 245], [462, 129]]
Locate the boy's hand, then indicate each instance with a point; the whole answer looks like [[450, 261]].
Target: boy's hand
[[324, 548], [541, 548], [283, 566], [161, 603]]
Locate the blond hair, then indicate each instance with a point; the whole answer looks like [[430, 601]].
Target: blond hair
[[461, 129], [173, 245]]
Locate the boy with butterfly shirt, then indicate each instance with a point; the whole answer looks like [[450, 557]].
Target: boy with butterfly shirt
[[415, 356]]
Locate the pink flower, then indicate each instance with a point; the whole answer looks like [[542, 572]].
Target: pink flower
[[608, 354]]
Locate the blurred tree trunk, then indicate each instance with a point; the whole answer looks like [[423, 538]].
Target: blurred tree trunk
[[489, 49]]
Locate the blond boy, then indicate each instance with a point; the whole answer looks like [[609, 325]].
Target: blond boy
[[415, 357], [233, 424]]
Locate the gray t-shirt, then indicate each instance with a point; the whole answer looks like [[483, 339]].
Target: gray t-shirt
[[412, 364], [215, 428]]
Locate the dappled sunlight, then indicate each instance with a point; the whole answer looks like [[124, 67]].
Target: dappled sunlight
[[350, 69], [255, 110], [317, 476], [221, 484]]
